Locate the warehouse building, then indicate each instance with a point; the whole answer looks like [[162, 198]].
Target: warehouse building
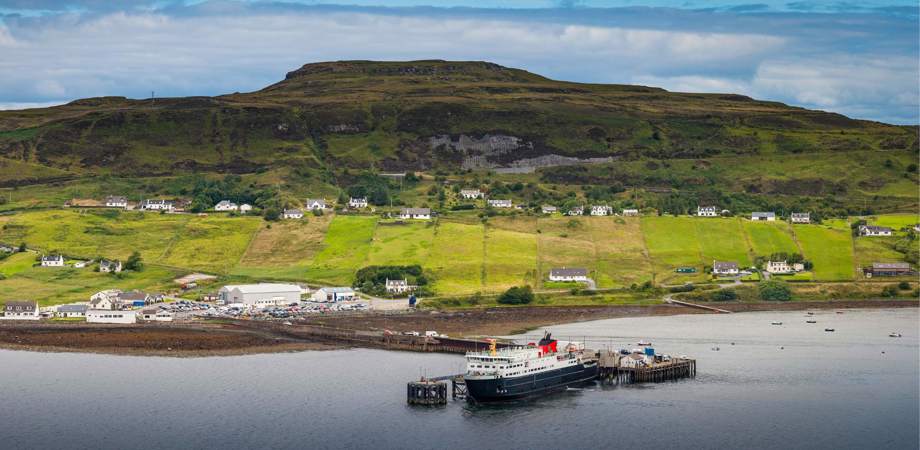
[[260, 295]]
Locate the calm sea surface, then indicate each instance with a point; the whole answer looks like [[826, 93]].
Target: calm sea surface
[[789, 386]]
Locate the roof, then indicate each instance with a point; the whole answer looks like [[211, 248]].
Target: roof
[[116, 198], [636, 356], [875, 228], [293, 211], [416, 211], [895, 265], [713, 208], [724, 265], [500, 201], [569, 272], [132, 296], [311, 201], [336, 289], [549, 207], [763, 214], [27, 304], [263, 288], [108, 262], [52, 258], [149, 311], [225, 203], [360, 199], [804, 214], [470, 191], [72, 308], [397, 282]]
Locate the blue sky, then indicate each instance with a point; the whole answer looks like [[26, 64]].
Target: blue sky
[[856, 58]]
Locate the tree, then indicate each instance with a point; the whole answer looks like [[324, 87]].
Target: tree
[[516, 296], [775, 290], [890, 291], [22, 247], [134, 262], [271, 214], [904, 286], [724, 295]]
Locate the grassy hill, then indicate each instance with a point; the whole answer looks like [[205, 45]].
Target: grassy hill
[[311, 132]]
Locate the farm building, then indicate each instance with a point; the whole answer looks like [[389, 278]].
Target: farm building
[[707, 211], [53, 261], [157, 205], [109, 316], [397, 286], [763, 216], [109, 266], [71, 311], [500, 203], [357, 202], [116, 201], [872, 230], [415, 213], [292, 214], [548, 209], [334, 294], [260, 295], [800, 217], [470, 194], [601, 210], [630, 212], [226, 205], [782, 267], [725, 268], [315, 203], [245, 208], [20, 310], [568, 274], [888, 269]]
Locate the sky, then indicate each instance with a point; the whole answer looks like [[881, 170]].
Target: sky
[[856, 58]]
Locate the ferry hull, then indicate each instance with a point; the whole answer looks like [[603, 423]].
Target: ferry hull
[[502, 389]]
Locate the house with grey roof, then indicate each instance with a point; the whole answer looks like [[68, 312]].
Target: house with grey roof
[[334, 294], [629, 212], [888, 269], [470, 194], [357, 202], [415, 213], [116, 201], [725, 268], [800, 217], [872, 230], [52, 261], [500, 203], [110, 266], [315, 204], [71, 311], [601, 210], [763, 216], [548, 209], [20, 310], [397, 286], [707, 211], [568, 274], [226, 205], [292, 214], [575, 211]]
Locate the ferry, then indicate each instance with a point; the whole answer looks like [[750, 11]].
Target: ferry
[[519, 372]]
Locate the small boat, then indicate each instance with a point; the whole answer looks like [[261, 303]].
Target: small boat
[[811, 321], [894, 334], [810, 313], [829, 330], [643, 343], [776, 322]]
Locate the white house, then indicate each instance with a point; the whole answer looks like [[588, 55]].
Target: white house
[[157, 205], [631, 212], [107, 299], [415, 213], [334, 294], [470, 194], [292, 214], [80, 264], [500, 203], [800, 217], [20, 310], [245, 208], [397, 286], [226, 205], [601, 210], [783, 267], [116, 201], [763, 216], [575, 211], [707, 211], [872, 230], [315, 203], [568, 274], [260, 295], [109, 316], [155, 315], [725, 268], [548, 209], [71, 311], [53, 261], [357, 202], [109, 266]]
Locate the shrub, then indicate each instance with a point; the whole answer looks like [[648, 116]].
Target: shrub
[[134, 262], [685, 288], [775, 290], [516, 296], [890, 291], [724, 295], [271, 214], [904, 286]]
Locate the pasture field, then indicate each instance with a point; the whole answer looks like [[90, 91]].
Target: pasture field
[[869, 250], [212, 244], [510, 259], [830, 249], [284, 249], [722, 239], [768, 238], [619, 251], [401, 243], [345, 249], [55, 285], [17, 262], [672, 243], [457, 257], [894, 221], [564, 242]]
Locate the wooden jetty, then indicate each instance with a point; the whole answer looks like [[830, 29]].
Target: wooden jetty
[[611, 372], [697, 306]]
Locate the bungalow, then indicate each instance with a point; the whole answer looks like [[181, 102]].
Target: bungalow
[[334, 294], [470, 194], [397, 286], [292, 214], [601, 210], [707, 211], [888, 270], [576, 211], [725, 268], [71, 311], [226, 205], [109, 316], [763, 216], [357, 202], [155, 315], [568, 274], [109, 266], [800, 217], [872, 230], [500, 203], [20, 310], [53, 261], [116, 201], [783, 267], [245, 208], [630, 212], [158, 205], [415, 213], [315, 204], [107, 299], [548, 209]]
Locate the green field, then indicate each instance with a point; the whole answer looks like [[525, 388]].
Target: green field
[[768, 238], [345, 249], [672, 243], [830, 249], [895, 221], [398, 243]]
